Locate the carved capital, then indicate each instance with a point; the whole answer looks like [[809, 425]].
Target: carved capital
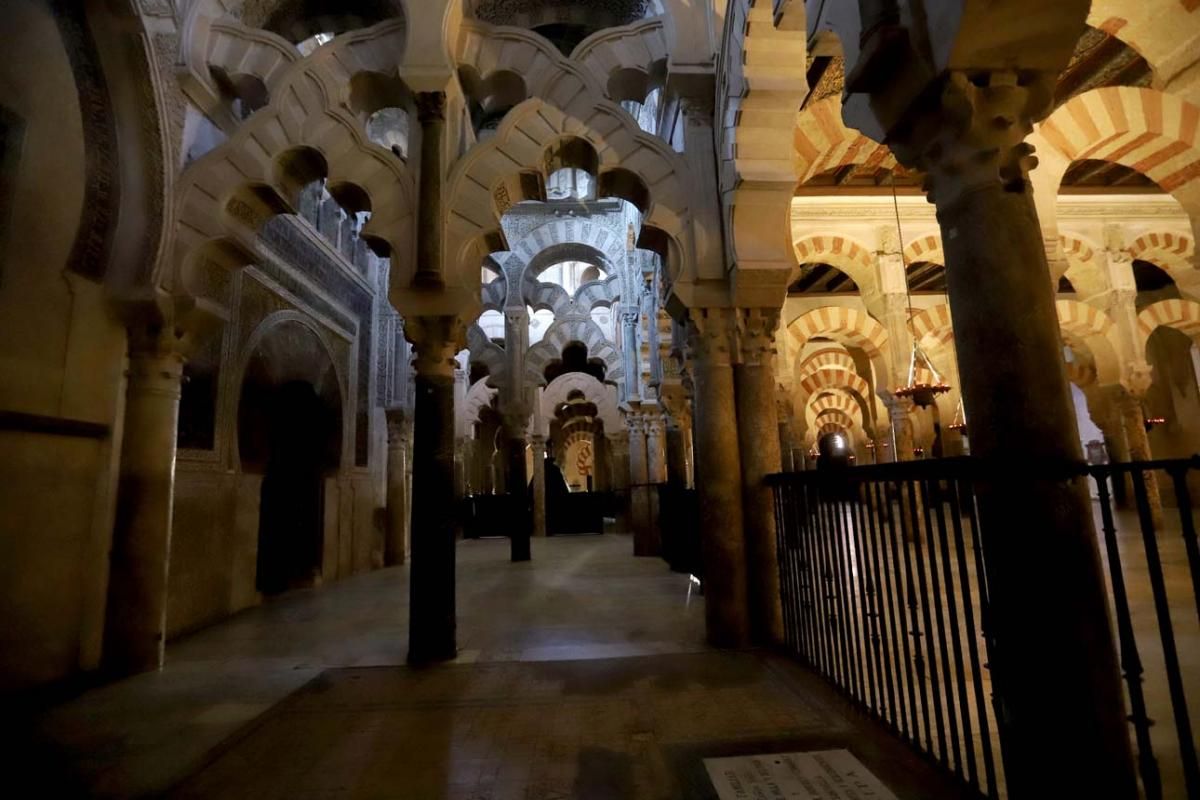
[[435, 341], [697, 109], [398, 420], [756, 335], [1136, 378], [712, 334], [973, 134], [431, 106]]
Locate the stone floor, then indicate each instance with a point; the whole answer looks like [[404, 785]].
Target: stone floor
[[582, 674]]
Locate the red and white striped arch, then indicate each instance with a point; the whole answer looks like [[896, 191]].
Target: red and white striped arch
[[1085, 270], [839, 251], [1175, 253], [1154, 133], [1182, 315], [925, 248], [1090, 327], [850, 327], [823, 142]]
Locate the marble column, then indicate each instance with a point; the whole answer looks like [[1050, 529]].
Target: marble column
[[758, 439], [431, 113], [516, 479], [630, 351], [640, 508], [601, 471], [1104, 407], [786, 462], [431, 626], [136, 611], [396, 543], [719, 476], [539, 485], [618, 447], [1053, 663], [1133, 420], [902, 443], [656, 474], [678, 465]]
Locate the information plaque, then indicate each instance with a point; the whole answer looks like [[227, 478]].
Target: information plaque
[[817, 775]]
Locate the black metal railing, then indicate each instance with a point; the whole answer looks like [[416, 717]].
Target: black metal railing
[[884, 592]]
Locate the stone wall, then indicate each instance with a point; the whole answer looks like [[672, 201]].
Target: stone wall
[[214, 553], [61, 367]]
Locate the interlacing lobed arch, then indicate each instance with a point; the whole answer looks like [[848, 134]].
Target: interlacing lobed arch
[[601, 395], [534, 140], [564, 332], [306, 133]]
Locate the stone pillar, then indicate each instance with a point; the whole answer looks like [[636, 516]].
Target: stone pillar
[[1133, 419], [431, 616], [1054, 668], [539, 485], [618, 446], [431, 113], [719, 476], [396, 544], [516, 479], [787, 445], [1104, 407], [902, 443], [601, 470], [630, 350], [645, 533], [678, 464], [758, 439], [656, 448], [136, 611]]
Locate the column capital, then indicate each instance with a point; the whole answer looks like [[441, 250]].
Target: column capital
[[697, 109], [435, 339], [1136, 379], [515, 422], [397, 425], [431, 106], [756, 335], [973, 134], [711, 335]]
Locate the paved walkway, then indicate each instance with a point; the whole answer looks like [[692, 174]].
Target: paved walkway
[[582, 674]]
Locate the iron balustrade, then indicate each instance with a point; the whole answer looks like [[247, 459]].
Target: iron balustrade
[[884, 592]]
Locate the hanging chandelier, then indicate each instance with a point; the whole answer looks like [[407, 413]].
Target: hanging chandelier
[[918, 389], [960, 419]]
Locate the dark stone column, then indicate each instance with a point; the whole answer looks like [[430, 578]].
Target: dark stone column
[[431, 113], [396, 540], [136, 612], [758, 440], [719, 477], [516, 478], [1053, 662], [431, 616], [678, 434]]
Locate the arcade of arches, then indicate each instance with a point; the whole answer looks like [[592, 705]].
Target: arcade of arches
[[292, 292]]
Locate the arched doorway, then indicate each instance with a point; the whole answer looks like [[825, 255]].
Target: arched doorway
[[290, 433]]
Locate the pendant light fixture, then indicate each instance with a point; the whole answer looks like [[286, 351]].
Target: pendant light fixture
[[920, 389]]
